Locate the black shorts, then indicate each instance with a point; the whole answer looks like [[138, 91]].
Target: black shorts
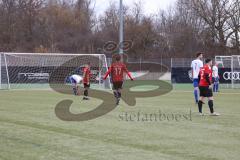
[[86, 85], [205, 91], [117, 85]]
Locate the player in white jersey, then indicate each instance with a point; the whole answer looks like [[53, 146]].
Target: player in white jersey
[[215, 76], [75, 80], [196, 66]]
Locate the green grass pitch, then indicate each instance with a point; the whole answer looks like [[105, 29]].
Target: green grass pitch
[[30, 130]]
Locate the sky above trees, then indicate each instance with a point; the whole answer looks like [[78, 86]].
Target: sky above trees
[[150, 6]]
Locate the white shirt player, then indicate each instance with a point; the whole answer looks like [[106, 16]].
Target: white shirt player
[[196, 66], [215, 72], [77, 78]]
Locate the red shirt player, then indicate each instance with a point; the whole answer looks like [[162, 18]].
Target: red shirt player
[[118, 71], [86, 80], [205, 76], [205, 87]]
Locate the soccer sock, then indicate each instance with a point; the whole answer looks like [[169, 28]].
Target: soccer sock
[[217, 87], [210, 104], [119, 94], [75, 90], [86, 93], [200, 103], [115, 94], [196, 95]]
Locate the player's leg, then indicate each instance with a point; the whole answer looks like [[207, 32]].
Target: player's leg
[[200, 104], [114, 88], [195, 85], [119, 93], [210, 103], [214, 85], [116, 92], [85, 92], [75, 90], [201, 100], [74, 86], [217, 84], [118, 96], [119, 89]]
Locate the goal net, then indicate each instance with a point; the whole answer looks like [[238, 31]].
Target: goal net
[[39, 70], [229, 67], [235, 74]]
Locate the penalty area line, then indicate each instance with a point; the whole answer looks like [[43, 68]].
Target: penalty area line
[[221, 93]]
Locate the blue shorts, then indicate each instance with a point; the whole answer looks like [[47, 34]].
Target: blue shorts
[[195, 82], [216, 80], [73, 81]]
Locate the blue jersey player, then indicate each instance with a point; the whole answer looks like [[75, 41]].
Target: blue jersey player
[[196, 66], [75, 80]]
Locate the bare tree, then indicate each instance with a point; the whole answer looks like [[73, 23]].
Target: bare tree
[[234, 23], [213, 12], [72, 26], [8, 24]]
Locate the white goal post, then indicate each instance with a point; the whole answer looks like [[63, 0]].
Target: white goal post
[[4, 76], [230, 70], [34, 70], [235, 71]]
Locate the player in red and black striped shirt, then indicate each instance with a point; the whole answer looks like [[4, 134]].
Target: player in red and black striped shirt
[[86, 80], [118, 71], [205, 87]]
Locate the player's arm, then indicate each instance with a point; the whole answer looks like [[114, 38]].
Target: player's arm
[[108, 72], [128, 73], [192, 69], [84, 73]]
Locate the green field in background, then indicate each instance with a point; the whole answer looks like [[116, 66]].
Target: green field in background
[[30, 130]]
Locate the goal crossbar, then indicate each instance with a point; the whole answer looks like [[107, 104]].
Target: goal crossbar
[[52, 54]]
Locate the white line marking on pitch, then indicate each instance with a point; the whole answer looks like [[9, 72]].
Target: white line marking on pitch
[[226, 93]]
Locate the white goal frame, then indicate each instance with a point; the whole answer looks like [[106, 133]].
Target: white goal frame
[[232, 68], [3, 55], [220, 60], [6, 68]]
